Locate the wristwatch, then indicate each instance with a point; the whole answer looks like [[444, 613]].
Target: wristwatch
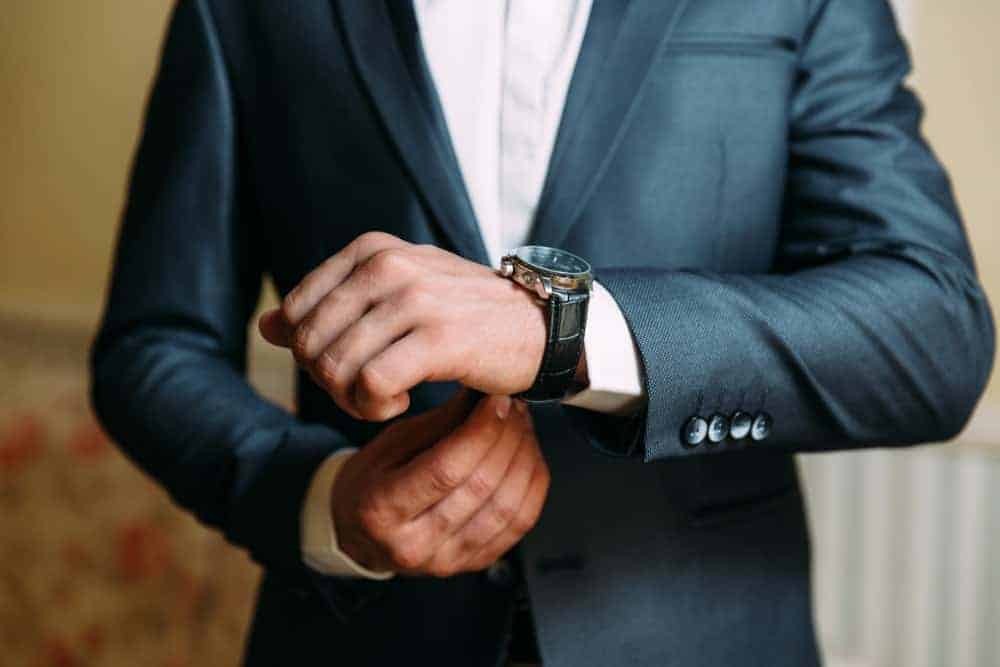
[[563, 281]]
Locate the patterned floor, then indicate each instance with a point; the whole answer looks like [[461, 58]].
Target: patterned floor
[[97, 567]]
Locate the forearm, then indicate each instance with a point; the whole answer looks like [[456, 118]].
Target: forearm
[[187, 416], [320, 549], [168, 363], [871, 350], [610, 376], [867, 324]]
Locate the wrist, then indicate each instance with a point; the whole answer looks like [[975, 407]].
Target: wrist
[[562, 283], [320, 543], [581, 378], [356, 554], [531, 337]]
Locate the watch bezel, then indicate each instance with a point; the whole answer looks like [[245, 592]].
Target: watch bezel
[[528, 249], [545, 281]]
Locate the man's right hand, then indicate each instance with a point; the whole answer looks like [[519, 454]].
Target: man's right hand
[[444, 492]]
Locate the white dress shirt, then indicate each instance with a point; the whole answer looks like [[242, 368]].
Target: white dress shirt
[[502, 69]]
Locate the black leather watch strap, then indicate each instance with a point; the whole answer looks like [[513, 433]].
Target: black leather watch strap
[[567, 320]]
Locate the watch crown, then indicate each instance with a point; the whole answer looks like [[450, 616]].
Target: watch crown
[[543, 287]]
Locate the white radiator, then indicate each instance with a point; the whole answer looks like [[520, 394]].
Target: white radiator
[[906, 551]]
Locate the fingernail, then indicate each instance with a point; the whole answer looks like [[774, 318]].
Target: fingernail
[[503, 406]]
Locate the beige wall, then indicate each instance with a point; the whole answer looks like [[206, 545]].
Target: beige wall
[[74, 76], [956, 72]]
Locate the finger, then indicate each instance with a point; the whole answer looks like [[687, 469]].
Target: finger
[[527, 517], [450, 515], [429, 530], [335, 312], [419, 356], [332, 315], [398, 443], [274, 328], [436, 472], [491, 517], [333, 271], [395, 446], [339, 367]]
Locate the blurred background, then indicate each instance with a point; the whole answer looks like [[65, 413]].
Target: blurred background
[[97, 567]]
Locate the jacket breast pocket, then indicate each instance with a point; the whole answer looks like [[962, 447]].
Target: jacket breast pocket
[[735, 86]]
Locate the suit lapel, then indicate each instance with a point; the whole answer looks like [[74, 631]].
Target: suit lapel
[[623, 39], [384, 42]]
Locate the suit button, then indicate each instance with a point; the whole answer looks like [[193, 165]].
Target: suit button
[[761, 426], [695, 431], [739, 427], [718, 428], [500, 574]]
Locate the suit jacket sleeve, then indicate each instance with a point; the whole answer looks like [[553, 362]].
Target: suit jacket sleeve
[[872, 328], [168, 364]]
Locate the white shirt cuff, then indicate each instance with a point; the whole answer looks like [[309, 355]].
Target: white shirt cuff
[[320, 550], [613, 363]]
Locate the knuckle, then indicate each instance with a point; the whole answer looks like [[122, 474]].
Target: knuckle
[[372, 514], [388, 262], [289, 305], [373, 238], [372, 381], [406, 555], [378, 411], [443, 521], [418, 294], [380, 263], [302, 340], [366, 239], [327, 306], [328, 370], [444, 476], [504, 511], [479, 486]]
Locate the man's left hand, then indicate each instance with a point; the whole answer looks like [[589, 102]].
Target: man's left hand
[[383, 315]]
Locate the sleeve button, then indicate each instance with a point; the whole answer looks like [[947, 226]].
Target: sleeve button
[[739, 426], [761, 426], [694, 432], [718, 428]]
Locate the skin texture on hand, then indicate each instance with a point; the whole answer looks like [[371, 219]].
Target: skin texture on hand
[[383, 315], [444, 492]]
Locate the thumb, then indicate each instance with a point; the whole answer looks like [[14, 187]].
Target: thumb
[[407, 437], [456, 409], [274, 328]]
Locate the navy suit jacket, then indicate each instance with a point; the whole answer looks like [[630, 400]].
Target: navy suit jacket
[[749, 180]]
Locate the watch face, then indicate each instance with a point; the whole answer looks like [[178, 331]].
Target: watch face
[[552, 260]]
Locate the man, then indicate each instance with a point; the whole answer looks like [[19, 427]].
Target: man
[[779, 267]]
